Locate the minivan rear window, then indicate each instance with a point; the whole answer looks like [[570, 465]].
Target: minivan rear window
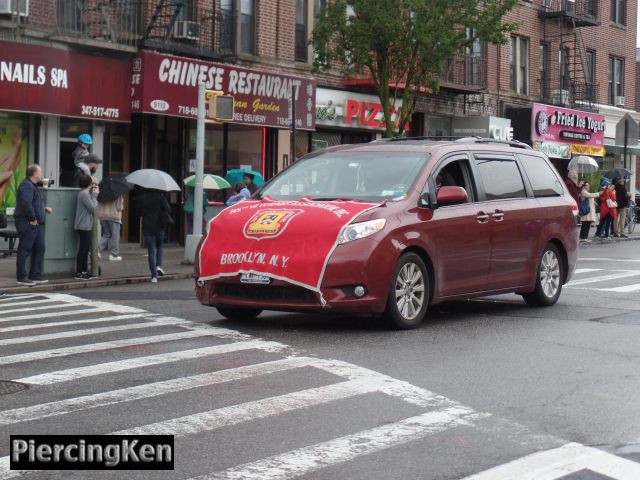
[[544, 181]]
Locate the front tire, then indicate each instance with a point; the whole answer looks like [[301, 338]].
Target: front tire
[[233, 313], [548, 279], [409, 293]]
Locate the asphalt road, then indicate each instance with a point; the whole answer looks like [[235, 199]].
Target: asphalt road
[[483, 384]]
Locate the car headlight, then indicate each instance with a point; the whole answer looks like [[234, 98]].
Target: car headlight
[[356, 231]]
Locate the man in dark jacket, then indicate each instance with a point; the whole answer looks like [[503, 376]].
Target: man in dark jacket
[[622, 199], [29, 216], [155, 212]]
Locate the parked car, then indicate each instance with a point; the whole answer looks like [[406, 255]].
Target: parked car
[[435, 221]]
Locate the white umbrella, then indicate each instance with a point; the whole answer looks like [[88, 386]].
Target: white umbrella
[[154, 179], [583, 164]]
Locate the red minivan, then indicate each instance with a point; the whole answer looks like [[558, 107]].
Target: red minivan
[[391, 227]]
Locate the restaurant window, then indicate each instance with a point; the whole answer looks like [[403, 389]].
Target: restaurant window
[[301, 30], [244, 148], [70, 129], [616, 79], [619, 11], [519, 65], [247, 26], [237, 26]]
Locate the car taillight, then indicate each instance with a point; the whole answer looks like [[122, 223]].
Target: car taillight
[[574, 209]]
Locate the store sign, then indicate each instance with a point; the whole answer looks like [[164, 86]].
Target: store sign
[[487, 127], [554, 124], [338, 108], [588, 150], [553, 149], [168, 85], [50, 80]]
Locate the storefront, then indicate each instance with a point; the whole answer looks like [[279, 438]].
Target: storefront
[[165, 94], [487, 127], [48, 96], [344, 117]]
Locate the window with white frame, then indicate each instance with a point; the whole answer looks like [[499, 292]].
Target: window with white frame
[[616, 79], [619, 11], [519, 65]]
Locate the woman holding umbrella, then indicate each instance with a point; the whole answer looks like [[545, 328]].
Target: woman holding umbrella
[[110, 206]]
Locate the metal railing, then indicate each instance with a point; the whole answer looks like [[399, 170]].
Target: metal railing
[[466, 71], [578, 8], [579, 95]]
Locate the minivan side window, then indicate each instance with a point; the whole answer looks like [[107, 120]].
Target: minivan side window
[[544, 181], [454, 173], [501, 179]]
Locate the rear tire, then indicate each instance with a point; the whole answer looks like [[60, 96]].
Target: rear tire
[[548, 279], [233, 313], [409, 293]]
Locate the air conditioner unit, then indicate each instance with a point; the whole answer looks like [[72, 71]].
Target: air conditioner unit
[[14, 7], [619, 101], [560, 97], [186, 30]]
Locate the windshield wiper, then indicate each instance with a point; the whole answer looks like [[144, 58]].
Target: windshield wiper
[[325, 199]]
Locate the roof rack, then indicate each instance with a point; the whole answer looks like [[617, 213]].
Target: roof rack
[[458, 139]]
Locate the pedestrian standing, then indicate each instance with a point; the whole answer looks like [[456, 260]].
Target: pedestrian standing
[[572, 185], [29, 217], [156, 215], [110, 216], [587, 210], [622, 198], [86, 205], [608, 207]]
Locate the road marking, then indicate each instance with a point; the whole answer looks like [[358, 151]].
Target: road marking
[[254, 410], [559, 462], [35, 326], [586, 270], [604, 259], [624, 289], [96, 347], [14, 303], [604, 278], [150, 390], [339, 450], [147, 323], [140, 362]]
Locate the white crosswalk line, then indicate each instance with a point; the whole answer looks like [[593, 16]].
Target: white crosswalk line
[[560, 462], [257, 409], [113, 318], [14, 303], [11, 298], [624, 289], [147, 323], [141, 362], [96, 347], [150, 390], [604, 278], [305, 460], [51, 314], [578, 271], [31, 308]]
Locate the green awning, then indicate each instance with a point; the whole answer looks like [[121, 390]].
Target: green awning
[[619, 149]]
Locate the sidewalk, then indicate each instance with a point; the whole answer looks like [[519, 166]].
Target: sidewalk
[[134, 268]]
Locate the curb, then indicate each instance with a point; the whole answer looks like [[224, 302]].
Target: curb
[[77, 285]]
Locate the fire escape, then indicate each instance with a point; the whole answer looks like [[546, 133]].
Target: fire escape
[[184, 26], [567, 79]]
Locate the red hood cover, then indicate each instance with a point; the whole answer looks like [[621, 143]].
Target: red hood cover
[[286, 240]]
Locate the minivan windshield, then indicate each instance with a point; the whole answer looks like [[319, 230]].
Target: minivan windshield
[[348, 175]]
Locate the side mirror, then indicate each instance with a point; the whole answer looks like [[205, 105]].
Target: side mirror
[[450, 195]]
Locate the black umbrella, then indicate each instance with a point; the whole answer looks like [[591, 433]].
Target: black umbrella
[[113, 186], [618, 172]]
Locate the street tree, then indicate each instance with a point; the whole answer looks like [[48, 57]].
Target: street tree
[[403, 45]]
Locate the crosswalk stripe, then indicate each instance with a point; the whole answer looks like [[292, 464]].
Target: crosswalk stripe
[[95, 347], [31, 308], [11, 298], [112, 318], [50, 378], [578, 271], [339, 450], [45, 410], [624, 289], [604, 278], [89, 331], [13, 303], [254, 410], [51, 314], [560, 462]]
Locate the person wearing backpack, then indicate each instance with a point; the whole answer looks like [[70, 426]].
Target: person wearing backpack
[[586, 210]]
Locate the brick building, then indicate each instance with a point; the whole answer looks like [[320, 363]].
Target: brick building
[[126, 72]]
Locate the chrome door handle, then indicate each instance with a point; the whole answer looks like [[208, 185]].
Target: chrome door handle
[[498, 216], [482, 217]]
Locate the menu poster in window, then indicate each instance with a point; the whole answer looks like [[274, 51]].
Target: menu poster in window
[[13, 157]]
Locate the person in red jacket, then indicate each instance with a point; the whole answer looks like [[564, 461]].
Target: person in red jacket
[[607, 208]]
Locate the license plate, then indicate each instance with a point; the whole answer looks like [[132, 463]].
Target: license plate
[[253, 278]]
